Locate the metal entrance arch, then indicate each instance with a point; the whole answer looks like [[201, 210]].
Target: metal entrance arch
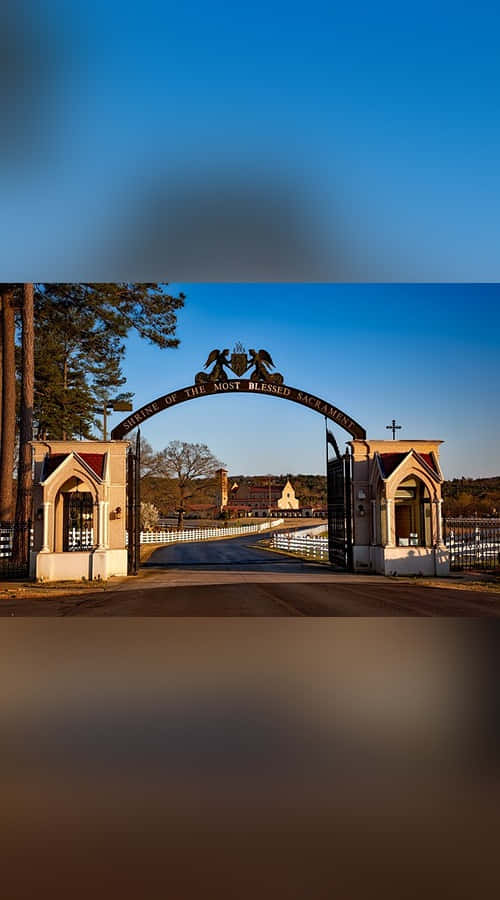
[[264, 383], [232, 387]]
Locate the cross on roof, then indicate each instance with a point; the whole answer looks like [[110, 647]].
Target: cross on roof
[[393, 427]]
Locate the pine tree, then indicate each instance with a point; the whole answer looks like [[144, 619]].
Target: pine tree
[[24, 472], [80, 331], [63, 398], [8, 402]]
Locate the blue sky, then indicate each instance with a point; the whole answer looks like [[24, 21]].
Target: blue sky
[[386, 116], [424, 354]]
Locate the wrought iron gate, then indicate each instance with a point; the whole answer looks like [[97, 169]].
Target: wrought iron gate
[[339, 507], [15, 545], [134, 506]]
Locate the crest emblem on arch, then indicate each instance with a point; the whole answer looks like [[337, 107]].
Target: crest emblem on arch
[[239, 362], [260, 361]]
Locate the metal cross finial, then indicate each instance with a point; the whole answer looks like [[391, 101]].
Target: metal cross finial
[[393, 427]]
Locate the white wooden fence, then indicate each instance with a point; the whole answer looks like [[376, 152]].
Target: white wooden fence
[[84, 540], [310, 547], [204, 534]]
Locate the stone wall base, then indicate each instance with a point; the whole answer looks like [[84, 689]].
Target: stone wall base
[[402, 560], [98, 564]]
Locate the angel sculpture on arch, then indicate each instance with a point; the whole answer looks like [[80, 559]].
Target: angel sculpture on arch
[[219, 357], [263, 363]]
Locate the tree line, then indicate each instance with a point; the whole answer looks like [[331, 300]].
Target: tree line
[[462, 496], [61, 353], [472, 496]]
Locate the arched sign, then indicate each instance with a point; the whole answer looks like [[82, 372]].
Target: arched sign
[[233, 386]]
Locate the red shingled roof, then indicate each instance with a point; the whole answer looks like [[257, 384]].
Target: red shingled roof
[[51, 463], [429, 459], [390, 461], [95, 461]]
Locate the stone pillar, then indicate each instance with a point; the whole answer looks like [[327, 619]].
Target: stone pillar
[[374, 522], [390, 518], [106, 524], [439, 521], [101, 535], [46, 525]]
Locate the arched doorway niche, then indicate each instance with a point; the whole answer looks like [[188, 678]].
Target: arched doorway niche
[[412, 513], [76, 516]]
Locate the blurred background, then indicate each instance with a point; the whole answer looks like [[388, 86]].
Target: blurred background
[[245, 759], [189, 142], [199, 142]]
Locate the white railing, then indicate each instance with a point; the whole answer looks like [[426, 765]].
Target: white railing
[[310, 547], [205, 534], [312, 531], [80, 540], [84, 540]]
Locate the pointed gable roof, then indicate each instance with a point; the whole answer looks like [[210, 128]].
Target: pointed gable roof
[[93, 462], [389, 462]]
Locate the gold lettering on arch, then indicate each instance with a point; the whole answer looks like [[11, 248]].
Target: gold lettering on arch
[[221, 388]]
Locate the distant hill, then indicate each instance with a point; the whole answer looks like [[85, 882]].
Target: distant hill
[[468, 496], [462, 496]]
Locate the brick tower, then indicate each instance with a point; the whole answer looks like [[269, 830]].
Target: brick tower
[[221, 495]]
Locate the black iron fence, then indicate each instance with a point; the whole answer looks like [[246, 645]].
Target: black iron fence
[[15, 545], [473, 543]]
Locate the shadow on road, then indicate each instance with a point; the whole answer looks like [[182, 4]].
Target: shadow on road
[[288, 565], [250, 598]]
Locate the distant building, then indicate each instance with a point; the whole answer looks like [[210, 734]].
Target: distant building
[[256, 496]]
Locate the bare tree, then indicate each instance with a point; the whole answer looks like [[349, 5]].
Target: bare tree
[[151, 462], [24, 473], [8, 403], [189, 464]]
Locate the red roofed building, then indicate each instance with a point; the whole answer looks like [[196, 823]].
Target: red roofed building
[[258, 495]]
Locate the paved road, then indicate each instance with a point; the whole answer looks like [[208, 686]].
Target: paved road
[[235, 578], [233, 553]]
